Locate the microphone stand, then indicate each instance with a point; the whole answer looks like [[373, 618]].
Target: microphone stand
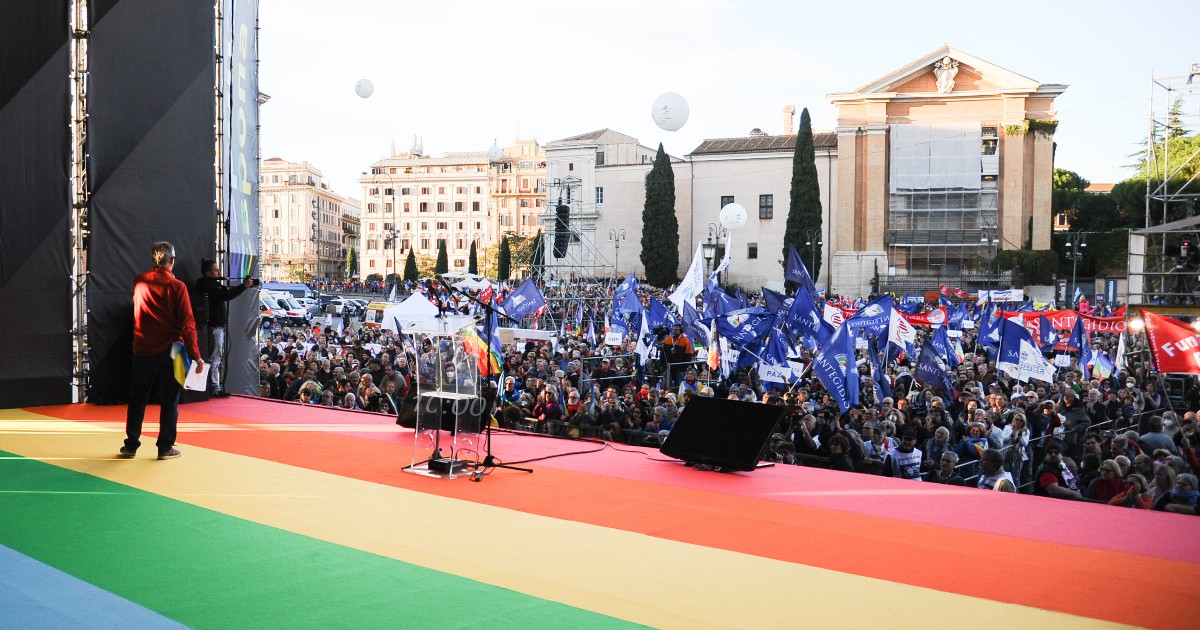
[[489, 460]]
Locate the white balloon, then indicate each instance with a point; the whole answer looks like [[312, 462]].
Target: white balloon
[[364, 88], [495, 154], [670, 111], [733, 216]]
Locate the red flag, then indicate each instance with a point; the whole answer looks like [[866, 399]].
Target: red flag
[[960, 294], [486, 296], [1174, 344], [944, 289]]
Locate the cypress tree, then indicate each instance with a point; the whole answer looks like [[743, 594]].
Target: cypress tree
[[804, 209], [660, 226], [504, 259], [443, 260], [410, 267], [351, 263], [473, 260], [537, 260]]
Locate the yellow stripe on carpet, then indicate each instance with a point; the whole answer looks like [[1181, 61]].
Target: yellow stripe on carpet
[[626, 575]]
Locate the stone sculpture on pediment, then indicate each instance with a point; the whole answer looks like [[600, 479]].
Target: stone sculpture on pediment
[[945, 70]]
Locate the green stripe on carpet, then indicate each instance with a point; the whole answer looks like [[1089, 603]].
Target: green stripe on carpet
[[207, 569]]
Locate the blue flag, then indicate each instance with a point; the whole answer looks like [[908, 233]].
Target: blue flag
[[777, 303], [625, 298], [795, 271], [941, 343], [989, 328], [524, 300], [1011, 336], [835, 367], [874, 317], [658, 316], [883, 387], [744, 327], [1047, 336], [931, 370], [803, 317], [693, 326], [774, 371], [1075, 341]]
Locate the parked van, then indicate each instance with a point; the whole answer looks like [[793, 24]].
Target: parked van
[[295, 289]]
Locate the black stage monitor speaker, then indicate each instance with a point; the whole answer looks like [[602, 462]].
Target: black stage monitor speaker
[[725, 434]]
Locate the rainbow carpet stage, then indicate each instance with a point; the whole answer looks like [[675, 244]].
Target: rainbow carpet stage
[[284, 516]]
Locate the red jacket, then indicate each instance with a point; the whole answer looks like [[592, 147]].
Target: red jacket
[[162, 314]]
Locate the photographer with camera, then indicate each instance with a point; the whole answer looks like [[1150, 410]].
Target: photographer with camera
[[212, 294]]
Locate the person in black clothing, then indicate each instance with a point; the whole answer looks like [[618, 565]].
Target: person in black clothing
[[212, 291]]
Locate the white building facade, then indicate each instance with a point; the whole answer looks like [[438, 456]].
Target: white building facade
[[303, 223]]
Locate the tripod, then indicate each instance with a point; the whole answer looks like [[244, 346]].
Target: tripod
[[489, 460]]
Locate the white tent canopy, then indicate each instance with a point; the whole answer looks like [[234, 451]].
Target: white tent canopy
[[409, 313]]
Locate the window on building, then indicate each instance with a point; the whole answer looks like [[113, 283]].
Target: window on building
[[524, 203], [441, 206], [458, 206], [387, 206], [766, 206], [441, 242], [405, 191], [478, 225], [600, 193], [371, 227], [371, 263], [460, 226], [389, 191], [276, 213], [404, 244], [407, 206], [373, 192], [441, 190], [460, 243], [474, 206], [460, 190], [424, 244], [424, 206], [478, 190], [726, 200], [424, 226], [424, 190], [570, 166], [407, 226], [441, 225], [751, 250]]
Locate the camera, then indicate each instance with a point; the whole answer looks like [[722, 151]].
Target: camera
[[255, 281]]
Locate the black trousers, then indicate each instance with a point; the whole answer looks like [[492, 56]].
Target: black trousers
[[145, 374]]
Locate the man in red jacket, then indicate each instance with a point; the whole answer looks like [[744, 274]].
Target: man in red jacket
[[162, 315]]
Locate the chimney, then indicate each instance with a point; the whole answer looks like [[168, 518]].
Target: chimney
[[789, 113]]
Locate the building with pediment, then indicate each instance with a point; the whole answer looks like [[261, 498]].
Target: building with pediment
[[941, 163]]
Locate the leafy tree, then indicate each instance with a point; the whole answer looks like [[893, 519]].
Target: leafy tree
[[504, 259], [410, 267], [1069, 186], [804, 207], [443, 260], [660, 226], [473, 260], [351, 262]]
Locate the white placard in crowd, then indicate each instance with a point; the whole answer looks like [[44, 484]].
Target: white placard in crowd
[[968, 324], [1062, 360], [953, 334], [860, 343]]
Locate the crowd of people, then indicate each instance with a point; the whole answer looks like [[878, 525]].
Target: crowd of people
[[1116, 439]]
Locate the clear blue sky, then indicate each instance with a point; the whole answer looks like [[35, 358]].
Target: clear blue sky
[[462, 73]]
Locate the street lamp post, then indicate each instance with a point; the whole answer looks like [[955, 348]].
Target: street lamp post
[[989, 239], [615, 236], [1076, 241], [712, 244], [811, 236]]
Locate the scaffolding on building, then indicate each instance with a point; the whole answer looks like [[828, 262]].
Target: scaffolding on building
[[1164, 258], [574, 238]]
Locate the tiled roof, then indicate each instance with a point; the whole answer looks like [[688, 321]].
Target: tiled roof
[[591, 135], [762, 144]]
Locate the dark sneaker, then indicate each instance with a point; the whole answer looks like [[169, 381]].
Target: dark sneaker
[[171, 454], [220, 393], [125, 453]]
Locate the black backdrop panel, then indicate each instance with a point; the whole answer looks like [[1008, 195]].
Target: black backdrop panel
[[35, 206], [151, 161]]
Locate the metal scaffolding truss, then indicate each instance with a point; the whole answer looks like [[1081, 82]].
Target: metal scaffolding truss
[[582, 258], [1165, 121], [79, 187]]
